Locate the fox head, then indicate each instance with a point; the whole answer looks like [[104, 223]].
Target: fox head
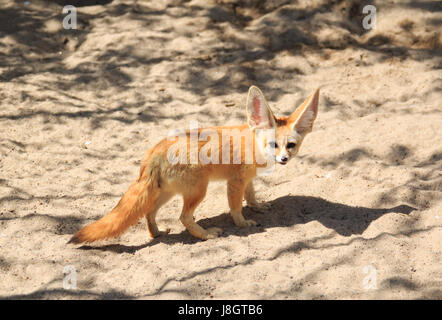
[[283, 135]]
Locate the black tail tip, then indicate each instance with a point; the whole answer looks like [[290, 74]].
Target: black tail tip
[[74, 239]]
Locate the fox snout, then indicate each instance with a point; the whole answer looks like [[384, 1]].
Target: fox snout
[[282, 159], [284, 156]]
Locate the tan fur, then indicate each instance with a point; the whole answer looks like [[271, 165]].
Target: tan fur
[[159, 179]]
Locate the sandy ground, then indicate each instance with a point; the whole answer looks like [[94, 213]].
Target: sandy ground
[[357, 215]]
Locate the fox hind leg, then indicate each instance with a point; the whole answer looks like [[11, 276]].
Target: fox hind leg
[[191, 200], [151, 215]]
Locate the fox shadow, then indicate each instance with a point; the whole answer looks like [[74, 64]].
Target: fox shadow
[[288, 211], [285, 211]]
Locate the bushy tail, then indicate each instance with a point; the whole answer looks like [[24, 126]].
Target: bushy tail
[[136, 202]]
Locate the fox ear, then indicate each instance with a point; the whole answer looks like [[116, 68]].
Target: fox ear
[[259, 115], [302, 119]]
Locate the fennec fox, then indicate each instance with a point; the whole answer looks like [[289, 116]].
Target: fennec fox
[[270, 139]]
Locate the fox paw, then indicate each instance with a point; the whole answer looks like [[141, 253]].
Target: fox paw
[[160, 232], [260, 206], [247, 223], [213, 233]]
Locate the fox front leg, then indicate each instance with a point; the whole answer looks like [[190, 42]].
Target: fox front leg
[[235, 193], [249, 196]]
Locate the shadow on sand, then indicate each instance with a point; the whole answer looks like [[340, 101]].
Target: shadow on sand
[[286, 211]]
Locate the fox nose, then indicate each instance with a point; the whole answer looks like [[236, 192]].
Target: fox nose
[[284, 159]]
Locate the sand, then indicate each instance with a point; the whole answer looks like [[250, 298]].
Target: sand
[[357, 215]]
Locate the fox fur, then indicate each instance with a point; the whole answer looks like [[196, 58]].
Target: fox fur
[[159, 179]]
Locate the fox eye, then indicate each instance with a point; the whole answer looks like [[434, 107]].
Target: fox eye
[[291, 145], [273, 144]]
